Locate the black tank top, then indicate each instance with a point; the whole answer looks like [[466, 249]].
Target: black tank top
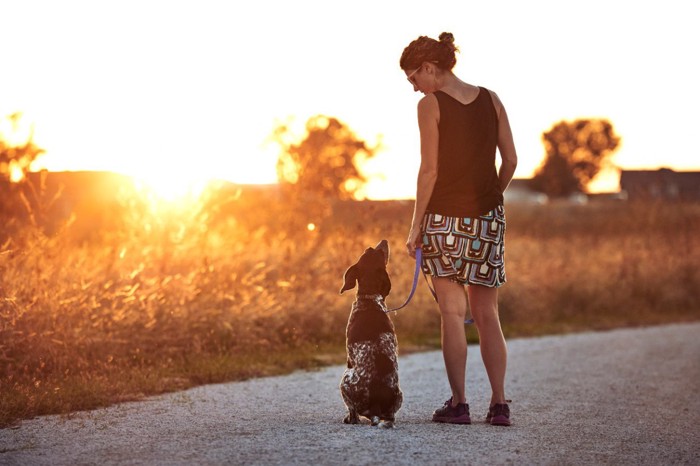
[[467, 184]]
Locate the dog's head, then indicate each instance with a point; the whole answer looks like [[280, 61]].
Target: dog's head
[[369, 273]]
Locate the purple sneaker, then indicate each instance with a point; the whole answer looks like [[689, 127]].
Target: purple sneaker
[[453, 414], [499, 415]]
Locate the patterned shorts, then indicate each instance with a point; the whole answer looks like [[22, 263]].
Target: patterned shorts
[[468, 250]]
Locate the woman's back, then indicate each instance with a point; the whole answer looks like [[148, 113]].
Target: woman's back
[[467, 183]]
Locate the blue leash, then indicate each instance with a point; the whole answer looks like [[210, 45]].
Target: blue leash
[[418, 270], [419, 255]]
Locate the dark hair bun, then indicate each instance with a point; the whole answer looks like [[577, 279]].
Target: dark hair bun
[[448, 39]]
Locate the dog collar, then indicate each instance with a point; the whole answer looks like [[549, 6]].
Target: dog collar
[[377, 298], [374, 297]]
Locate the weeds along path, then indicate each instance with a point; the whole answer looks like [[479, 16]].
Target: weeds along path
[[619, 397]]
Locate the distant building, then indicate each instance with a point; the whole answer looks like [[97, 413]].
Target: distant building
[[663, 184], [520, 192]]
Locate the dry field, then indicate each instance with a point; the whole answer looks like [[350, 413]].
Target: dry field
[[152, 298]]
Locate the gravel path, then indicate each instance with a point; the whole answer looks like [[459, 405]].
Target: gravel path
[[620, 397]]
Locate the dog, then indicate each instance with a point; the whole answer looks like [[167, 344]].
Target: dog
[[370, 384]]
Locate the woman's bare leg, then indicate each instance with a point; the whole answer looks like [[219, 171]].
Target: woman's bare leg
[[453, 307], [483, 303]]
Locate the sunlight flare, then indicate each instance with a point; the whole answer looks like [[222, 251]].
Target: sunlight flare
[[171, 187], [16, 173]]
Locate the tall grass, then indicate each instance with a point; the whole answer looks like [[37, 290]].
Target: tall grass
[[162, 300]]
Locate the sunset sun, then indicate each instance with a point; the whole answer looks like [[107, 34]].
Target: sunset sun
[[171, 186]]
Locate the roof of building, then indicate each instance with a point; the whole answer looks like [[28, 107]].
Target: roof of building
[[663, 176]]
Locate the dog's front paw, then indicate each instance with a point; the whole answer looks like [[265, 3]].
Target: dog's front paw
[[387, 424], [351, 419]]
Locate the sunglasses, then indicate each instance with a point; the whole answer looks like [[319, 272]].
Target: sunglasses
[[410, 76]]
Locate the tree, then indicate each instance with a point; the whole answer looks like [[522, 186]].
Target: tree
[[576, 151], [15, 160], [324, 163]]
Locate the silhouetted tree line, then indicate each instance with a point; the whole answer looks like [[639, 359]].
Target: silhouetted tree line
[[324, 165]]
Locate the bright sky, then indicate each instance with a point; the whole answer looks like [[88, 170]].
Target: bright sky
[[193, 89]]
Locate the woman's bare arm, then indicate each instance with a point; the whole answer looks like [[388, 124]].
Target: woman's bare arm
[[428, 117]]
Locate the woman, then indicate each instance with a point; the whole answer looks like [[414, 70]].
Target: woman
[[458, 218]]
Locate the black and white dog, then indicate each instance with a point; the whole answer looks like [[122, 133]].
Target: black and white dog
[[370, 384]]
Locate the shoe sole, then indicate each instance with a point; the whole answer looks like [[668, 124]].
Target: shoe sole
[[500, 421], [453, 420]]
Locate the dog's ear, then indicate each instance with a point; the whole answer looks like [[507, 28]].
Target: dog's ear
[[383, 247], [350, 278], [385, 285]]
